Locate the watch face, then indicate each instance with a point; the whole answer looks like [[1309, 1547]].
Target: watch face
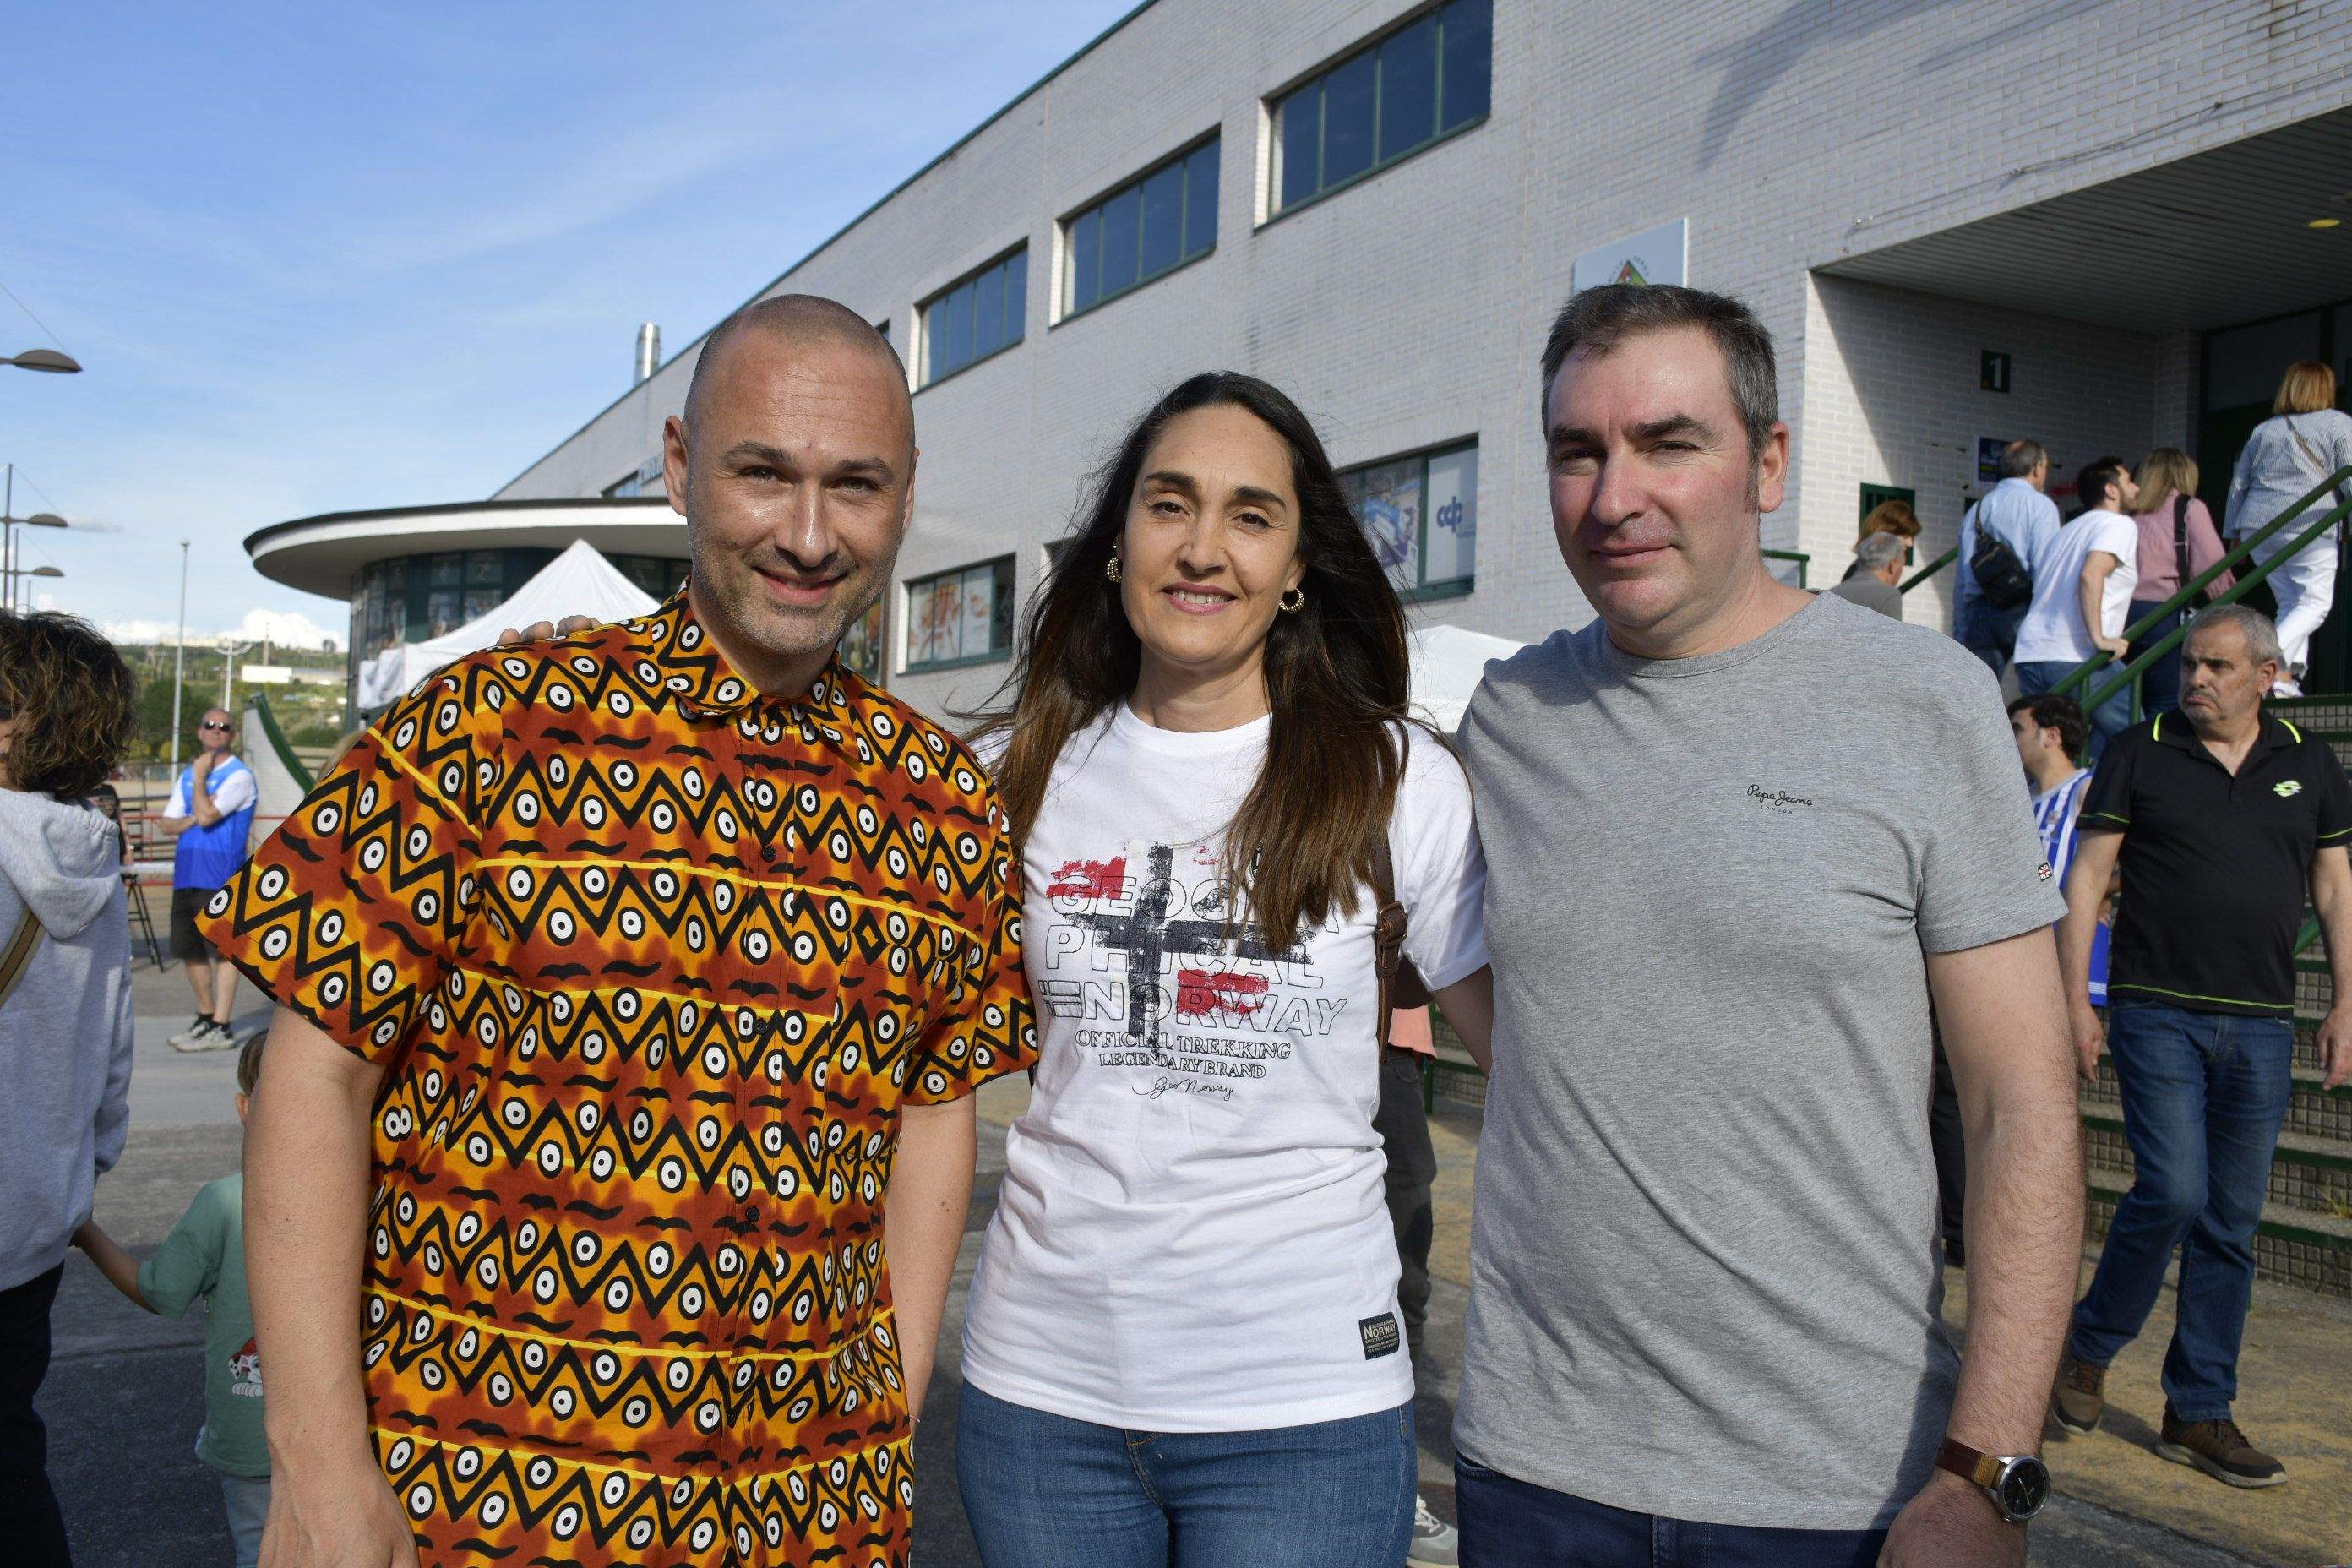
[[2024, 1487]]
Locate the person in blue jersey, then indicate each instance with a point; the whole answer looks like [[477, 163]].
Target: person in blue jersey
[[212, 811], [2051, 733]]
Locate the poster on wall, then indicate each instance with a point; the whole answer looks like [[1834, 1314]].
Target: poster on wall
[[1989, 450], [1656, 256]]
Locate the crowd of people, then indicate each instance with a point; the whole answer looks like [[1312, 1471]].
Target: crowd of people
[[611, 1149]]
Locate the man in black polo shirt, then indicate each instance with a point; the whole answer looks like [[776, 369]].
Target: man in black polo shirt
[[2221, 816]]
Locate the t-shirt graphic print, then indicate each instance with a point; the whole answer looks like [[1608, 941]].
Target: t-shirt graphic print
[[1191, 1235]]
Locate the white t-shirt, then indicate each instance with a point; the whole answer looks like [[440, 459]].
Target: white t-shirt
[[1191, 1235], [229, 787], [2053, 627]]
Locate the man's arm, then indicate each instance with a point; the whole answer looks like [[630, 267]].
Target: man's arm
[[306, 1225], [1469, 1005], [2004, 1031], [2097, 850], [923, 1226], [2331, 896], [2096, 568]]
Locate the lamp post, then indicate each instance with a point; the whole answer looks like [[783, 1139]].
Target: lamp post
[[37, 572], [180, 662], [50, 360], [9, 524]]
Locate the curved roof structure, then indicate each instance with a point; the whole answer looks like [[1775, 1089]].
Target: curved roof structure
[[319, 554]]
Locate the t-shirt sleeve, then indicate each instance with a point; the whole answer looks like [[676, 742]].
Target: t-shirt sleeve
[[233, 793], [187, 1266], [2334, 801], [1982, 873], [987, 1027], [1441, 871], [2107, 804], [355, 909], [2119, 537], [178, 804]]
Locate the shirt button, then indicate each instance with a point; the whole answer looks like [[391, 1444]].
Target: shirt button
[[768, 854]]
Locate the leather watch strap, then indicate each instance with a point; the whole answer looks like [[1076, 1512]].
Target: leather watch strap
[[1969, 1464]]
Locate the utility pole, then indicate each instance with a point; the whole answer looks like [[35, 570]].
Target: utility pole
[[180, 662]]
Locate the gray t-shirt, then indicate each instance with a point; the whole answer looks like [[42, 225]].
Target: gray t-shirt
[[1703, 1271]]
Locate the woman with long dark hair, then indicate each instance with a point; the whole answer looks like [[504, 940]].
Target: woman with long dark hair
[[1181, 1346]]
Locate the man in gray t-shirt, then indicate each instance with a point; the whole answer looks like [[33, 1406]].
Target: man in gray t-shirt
[[1730, 859]]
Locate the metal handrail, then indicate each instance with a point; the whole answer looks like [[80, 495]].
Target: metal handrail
[[1801, 558], [1930, 570], [2189, 590]]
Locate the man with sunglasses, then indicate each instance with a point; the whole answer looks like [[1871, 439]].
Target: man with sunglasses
[[212, 811]]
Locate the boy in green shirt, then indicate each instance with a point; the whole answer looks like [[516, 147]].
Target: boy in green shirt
[[204, 1257]]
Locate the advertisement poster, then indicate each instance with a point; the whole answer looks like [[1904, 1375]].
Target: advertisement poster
[[1453, 547], [1989, 458], [1656, 256], [1388, 498]]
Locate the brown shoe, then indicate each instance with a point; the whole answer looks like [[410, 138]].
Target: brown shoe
[[2080, 1397], [2220, 1450]]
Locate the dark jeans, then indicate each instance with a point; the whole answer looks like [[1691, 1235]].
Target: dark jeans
[[1988, 632], [1404, 1126], [2160, 683], [1046, 1491], [2108, 720], [1946, 1139], [1507, 1523], [2203, 1095], [30, 1521]]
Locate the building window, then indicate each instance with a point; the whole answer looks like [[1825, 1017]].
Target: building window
[[1151, 225], [1421, 513], [975, 317], [964, 616], [1401, 92], [645, 481], [861, 644]]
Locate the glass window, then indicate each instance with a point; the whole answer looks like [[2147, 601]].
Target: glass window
[[976, 317], [1421, 514], [1201, 201], [964, 616], [485, 566], [1409, 89], [861, 643], [445, 611], [1389, 99], [1151, 225], [447, 570]]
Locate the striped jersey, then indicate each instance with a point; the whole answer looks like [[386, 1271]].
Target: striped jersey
[[2056, 812]]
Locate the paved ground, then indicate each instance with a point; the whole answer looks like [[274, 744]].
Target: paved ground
[[124, 1395]]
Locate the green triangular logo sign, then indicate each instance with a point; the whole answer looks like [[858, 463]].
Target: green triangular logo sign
[[1631, 273]]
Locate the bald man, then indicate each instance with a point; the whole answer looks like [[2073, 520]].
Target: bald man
[[615, 1136]]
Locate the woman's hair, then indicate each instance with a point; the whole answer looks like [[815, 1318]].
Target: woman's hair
[[2307, 387], [73, 699], [1301, 841], [2165, 472], [1894, 517]]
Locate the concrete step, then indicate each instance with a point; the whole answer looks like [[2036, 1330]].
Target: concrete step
[[2293, 1246], [2311, 1175], [2314, 1110]]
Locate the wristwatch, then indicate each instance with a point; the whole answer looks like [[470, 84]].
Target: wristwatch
[[2018, 1484]]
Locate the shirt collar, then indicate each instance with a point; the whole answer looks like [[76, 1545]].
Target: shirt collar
[[2173, 728], [696, 674]]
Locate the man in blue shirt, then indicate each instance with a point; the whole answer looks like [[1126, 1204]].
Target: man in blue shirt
[[212, 811], [2017, 513]]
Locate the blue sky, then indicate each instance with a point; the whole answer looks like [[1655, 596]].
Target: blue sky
[[318, 257]]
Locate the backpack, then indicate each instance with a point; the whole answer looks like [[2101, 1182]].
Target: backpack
[[2002, 578]]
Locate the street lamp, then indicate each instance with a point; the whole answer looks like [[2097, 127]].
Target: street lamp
[[38, 572], [50, 360], [9, 524]]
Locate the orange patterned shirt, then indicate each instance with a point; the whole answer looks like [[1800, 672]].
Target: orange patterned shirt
[[651, 960]]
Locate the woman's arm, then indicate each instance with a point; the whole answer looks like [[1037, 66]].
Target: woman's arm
[[2204, 549], [1469, 1005]]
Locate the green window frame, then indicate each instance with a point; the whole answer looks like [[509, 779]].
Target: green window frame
[[1429, 78], [958, 618], [1421, 512], [976, 317], [1163, 219]]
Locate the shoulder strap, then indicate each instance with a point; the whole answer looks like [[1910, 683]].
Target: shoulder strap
[[1390, 923], [2180, 571], [18, 954]]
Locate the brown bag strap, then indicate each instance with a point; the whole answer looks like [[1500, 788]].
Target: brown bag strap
[[18, 954], [1400, 984]]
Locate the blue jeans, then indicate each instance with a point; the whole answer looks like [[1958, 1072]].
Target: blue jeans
[[2160, 683], [2204, 1095], [1507, 1523], [247, 1500], [2108, 720], [1046, 1491], [1988, 632]]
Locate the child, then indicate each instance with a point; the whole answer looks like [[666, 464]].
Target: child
[[204, 1256]]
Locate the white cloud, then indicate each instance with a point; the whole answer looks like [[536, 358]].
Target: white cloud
[[281, 629]]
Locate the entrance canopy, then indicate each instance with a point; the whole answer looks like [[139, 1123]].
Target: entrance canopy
[[579, 581], [1448, 663]]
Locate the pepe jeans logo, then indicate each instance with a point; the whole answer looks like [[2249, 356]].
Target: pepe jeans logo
[[1777, 800], [2287, 788]]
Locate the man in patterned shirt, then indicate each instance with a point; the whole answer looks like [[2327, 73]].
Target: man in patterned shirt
[[633, 987]]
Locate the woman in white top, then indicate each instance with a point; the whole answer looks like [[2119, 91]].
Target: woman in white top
[[1181, 1346], [2305, 439]]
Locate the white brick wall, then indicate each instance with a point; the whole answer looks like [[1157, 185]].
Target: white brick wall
[[1412, 308]]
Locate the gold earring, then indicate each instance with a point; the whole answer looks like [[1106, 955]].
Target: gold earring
[[1300, 594], [1110, 567]]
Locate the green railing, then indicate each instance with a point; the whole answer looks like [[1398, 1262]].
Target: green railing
[[2081, 673], [293, 764], [1799, 556], [1930, 570]]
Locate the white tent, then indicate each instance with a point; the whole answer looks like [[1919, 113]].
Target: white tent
[[579, 581], [1448, 663]]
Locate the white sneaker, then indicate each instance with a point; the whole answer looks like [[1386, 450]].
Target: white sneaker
[[181, 1039], [1435, 1543], [207, 1036]]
